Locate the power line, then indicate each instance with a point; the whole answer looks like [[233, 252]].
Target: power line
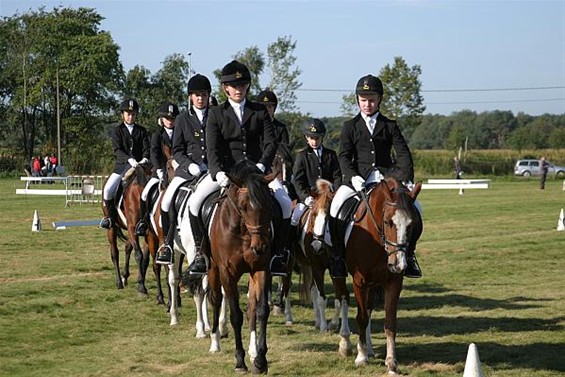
[[455, 103], [448, 90]]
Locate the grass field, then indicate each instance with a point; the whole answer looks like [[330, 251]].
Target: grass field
[[494, 275]]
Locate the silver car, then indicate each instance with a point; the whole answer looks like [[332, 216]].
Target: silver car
[[527, 168]]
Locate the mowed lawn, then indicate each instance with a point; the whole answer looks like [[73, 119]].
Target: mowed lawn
[[494, 275]]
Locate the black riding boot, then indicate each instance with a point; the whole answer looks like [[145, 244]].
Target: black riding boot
[[199, 265], [281, 253], [337, 266], [165, 253], [109, 221], [141, 227], [413, 268]]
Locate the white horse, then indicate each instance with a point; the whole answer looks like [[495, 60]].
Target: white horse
[[184, 248]]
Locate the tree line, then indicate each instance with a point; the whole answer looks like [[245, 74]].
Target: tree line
[[60, 74]]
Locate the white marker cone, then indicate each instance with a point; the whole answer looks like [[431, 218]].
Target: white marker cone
[[461, 191], [472, 364], [561, 221], [36, 224]]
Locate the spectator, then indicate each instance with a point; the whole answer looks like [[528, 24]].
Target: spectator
[[457, 167], [543, 165]]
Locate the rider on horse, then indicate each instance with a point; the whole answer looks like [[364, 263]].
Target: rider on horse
[[312, 163], [130, 142], [268, 98], [167, 113], [240, 130], [365, 154], [189, 151]]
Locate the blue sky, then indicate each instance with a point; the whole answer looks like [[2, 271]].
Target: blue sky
[[463, 47]]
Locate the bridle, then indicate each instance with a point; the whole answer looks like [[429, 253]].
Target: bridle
[[389, 246], [254, 230]]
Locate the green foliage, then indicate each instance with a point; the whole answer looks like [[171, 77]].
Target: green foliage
[[284, 77]]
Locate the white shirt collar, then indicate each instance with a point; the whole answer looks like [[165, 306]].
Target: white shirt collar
[[130, 127], [199, 113], [236, 105]]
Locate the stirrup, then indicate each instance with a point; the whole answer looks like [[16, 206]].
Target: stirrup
[[317, 246], [197, 267], [164, 255], [141, 229], [106, 223], [278, 266]]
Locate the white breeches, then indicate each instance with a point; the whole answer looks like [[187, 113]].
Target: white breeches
[[282, 197], [111, 186], [152, 182], [297, 213], [170, 192], [343, 193]]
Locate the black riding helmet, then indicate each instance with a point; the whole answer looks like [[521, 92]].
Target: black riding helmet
[[235, 73], [199, 83], [369, 85], [267, 97], [168, 110], [129, 105], [314, 128]]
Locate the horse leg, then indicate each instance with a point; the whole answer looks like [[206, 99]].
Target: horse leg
[[362, 296], [345, 346], [174, 278], [115, 255], [320, 297], [392, 295], [160, 298], [128, 249], [261, 310], [142, 259], [236, 319], [217, 300], [198, 297], [223, 319]]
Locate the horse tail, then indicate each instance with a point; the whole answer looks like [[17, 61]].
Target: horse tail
[[305, 282], [120, 234]]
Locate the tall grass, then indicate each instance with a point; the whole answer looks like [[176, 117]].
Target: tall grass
[[493, 275]]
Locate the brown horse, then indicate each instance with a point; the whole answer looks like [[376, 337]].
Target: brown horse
[[128, 216], [240, 242], [375, 254]]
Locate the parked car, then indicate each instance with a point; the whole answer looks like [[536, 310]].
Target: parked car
[[527, 168]]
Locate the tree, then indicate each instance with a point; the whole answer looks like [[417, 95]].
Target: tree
[[402, 95], [284, 78], [64, 46]]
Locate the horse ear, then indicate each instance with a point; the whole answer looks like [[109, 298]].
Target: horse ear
[[233, 179], [416, 190]]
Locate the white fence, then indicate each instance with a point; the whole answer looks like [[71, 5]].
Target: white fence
[[77, 188]]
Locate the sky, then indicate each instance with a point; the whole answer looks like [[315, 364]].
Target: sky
[[474, 55]]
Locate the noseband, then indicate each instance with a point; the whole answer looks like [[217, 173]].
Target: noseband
[[389, 246]]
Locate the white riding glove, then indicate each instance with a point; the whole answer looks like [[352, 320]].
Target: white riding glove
[[358, 183], [132, 162], [261, 167], [308, 201], [160, 174], [222, 179], [144, 160], [175, 165], [194, 169]]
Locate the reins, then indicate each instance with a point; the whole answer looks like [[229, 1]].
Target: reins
[[380, 230]]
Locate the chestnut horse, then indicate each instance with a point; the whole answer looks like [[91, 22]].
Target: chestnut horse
[[240, 242], [384, 225], [128, 216]]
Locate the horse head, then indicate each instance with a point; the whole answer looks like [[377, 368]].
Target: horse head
[[253, 201], [395, 203]]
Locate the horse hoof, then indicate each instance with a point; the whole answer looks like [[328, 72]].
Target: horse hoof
[[200, 336], [241, 370], [289, 323], [142, 294], [259, 370], [160, 301], [277, 310]]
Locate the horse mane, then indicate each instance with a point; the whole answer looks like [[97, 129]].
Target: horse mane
[[138, 175], [324, 194], [245, 174]]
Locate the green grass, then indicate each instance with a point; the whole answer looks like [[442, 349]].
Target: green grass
[[493, 275]]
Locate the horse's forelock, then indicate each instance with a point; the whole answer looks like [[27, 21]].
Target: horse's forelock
[[259, 193]]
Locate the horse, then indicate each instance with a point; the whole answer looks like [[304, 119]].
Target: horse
[[385, 222], [314, 265], [128, 216], [240, 242]]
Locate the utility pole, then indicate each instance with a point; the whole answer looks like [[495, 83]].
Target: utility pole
[[58, 123]]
